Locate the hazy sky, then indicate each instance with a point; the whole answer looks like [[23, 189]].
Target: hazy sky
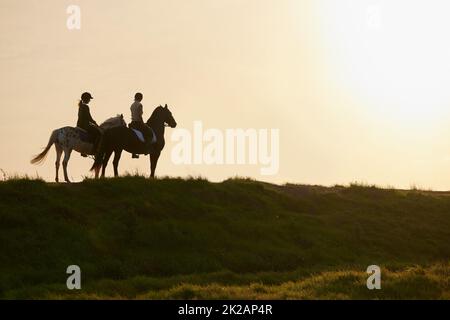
[[358, 88]]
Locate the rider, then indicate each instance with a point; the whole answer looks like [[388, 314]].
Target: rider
[[138, 123], [86, 122]]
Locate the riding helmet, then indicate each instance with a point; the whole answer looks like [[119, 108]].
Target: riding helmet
[[86, 95]]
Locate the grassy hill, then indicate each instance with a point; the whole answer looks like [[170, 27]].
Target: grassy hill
[[174, 238]]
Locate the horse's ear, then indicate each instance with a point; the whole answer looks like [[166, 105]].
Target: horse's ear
[[165, 107], [121, 115]]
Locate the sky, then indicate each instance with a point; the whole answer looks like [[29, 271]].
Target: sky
[[358, 89]]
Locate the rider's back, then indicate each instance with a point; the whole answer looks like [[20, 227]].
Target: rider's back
[[84, 116]]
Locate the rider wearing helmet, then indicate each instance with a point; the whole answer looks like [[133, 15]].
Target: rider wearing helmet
[[138, 123], [85, 120]]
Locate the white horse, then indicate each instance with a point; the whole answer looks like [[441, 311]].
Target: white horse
[[71, 138]]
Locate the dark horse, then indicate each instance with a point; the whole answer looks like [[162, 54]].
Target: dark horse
[[122, 138]]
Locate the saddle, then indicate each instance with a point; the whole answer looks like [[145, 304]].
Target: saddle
[[139, 135], [141, 138], [84, 135]]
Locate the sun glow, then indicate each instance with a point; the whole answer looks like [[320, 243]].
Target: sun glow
[[394, 56]]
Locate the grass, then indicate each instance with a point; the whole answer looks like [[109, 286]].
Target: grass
[[136, 238]]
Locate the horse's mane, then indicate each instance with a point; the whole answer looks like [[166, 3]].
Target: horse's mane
[[155, 113], [111, 120]]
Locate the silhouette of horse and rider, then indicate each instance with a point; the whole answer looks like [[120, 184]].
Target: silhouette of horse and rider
[[112, 136]]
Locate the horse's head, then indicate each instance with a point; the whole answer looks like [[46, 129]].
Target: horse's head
[[161, 117], [168, 117]]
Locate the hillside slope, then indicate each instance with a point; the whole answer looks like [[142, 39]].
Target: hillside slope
[[174, 238]]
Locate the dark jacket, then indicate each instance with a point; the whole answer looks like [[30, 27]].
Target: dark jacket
[[84, 116]]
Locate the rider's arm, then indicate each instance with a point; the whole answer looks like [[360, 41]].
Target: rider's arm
[[90, 117], [141, 111]]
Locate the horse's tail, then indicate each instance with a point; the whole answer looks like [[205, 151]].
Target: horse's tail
[[38, 159]]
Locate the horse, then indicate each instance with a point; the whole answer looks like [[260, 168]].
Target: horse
[[118, 139], [73, 138]]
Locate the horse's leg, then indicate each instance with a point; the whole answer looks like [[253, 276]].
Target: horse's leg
[[154, 156], [116, 160], [105, 162], [96, 169], [67, 153], [58, 160]]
